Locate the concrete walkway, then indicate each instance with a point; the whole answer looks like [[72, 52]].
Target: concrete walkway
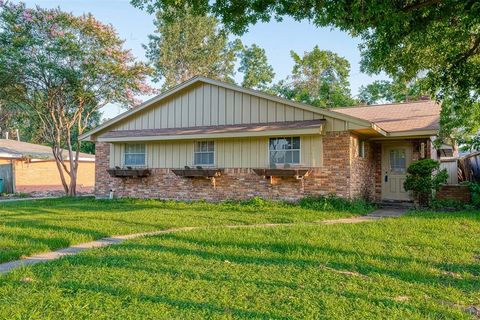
[[72, 250]]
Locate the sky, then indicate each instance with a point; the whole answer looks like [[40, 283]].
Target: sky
[[277, 38]]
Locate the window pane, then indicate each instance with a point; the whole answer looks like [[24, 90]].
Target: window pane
[[128, 159], [296, 142], [296, 157], [397, 160], [277, 157], [141, 159], [272, 144], [288, 157], [197, 158], [210, 146]]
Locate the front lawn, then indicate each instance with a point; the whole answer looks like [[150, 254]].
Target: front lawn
[[414, 267], [29, 227]]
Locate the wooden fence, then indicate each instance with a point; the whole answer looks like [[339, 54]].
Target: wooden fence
[[450, 164], [469, 166], [6, 174]]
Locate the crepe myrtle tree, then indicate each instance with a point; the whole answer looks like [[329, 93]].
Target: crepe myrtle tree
[[63, 69]]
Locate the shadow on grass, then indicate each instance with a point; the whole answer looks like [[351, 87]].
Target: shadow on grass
[[123, 293], [135, 264], [467, 285]]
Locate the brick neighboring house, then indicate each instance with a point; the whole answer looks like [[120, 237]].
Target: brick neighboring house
[[30, 168], [205, 139]]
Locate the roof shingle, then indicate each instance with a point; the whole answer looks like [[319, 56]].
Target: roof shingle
[[19, 149], [399, 117]]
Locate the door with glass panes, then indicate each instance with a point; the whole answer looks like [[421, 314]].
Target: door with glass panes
[[396, 158]]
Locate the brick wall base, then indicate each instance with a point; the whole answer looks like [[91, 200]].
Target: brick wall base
[[235, 184], [454, 192]]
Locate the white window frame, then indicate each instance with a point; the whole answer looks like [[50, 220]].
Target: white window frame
[[134, 153], [197, 152], [299, 151]]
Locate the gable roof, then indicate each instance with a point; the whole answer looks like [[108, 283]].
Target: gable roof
[[396, 118], [14, 149], [198, 79]]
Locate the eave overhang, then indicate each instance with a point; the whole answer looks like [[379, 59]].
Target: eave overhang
[[217, 132]]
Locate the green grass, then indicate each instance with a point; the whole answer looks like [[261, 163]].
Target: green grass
[[29, 227], [423, 265]]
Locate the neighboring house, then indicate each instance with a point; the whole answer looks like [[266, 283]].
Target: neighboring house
[[28, 167], [247, 143]]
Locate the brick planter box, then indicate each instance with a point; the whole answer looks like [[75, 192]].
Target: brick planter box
[[454, 192]]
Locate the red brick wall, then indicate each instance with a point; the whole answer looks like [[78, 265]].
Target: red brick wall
[[236, 183], [362, 182], [377, 159], [454, 192]]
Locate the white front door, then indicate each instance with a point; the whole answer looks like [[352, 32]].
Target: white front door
[[395, 160]]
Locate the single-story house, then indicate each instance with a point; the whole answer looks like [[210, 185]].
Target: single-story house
[[206, 139], [27, 167]]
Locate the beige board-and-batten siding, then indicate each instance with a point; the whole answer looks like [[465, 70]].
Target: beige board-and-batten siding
[[208, 105], [229, 153]]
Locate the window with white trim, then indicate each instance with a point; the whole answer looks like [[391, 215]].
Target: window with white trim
[[284, 150], [204, 153], [135, 155]]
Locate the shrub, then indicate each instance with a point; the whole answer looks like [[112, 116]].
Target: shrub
[[448, 205], [335, 203], [475, 190], [423, 177]]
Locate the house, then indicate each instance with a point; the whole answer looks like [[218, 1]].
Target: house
[[27, 167], [206, 139]]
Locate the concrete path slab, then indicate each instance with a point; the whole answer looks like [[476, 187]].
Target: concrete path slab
[[75, 249], [388, 213]]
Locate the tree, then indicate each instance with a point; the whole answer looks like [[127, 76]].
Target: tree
[[319, 78], [391, 91], [63, 69], [435, 39], [189, 46], [257, 73]]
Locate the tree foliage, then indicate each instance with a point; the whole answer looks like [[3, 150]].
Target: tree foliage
[[188, 46], [319, 78], [257, 72], [62, 68], [382, 91], [435, 39]]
